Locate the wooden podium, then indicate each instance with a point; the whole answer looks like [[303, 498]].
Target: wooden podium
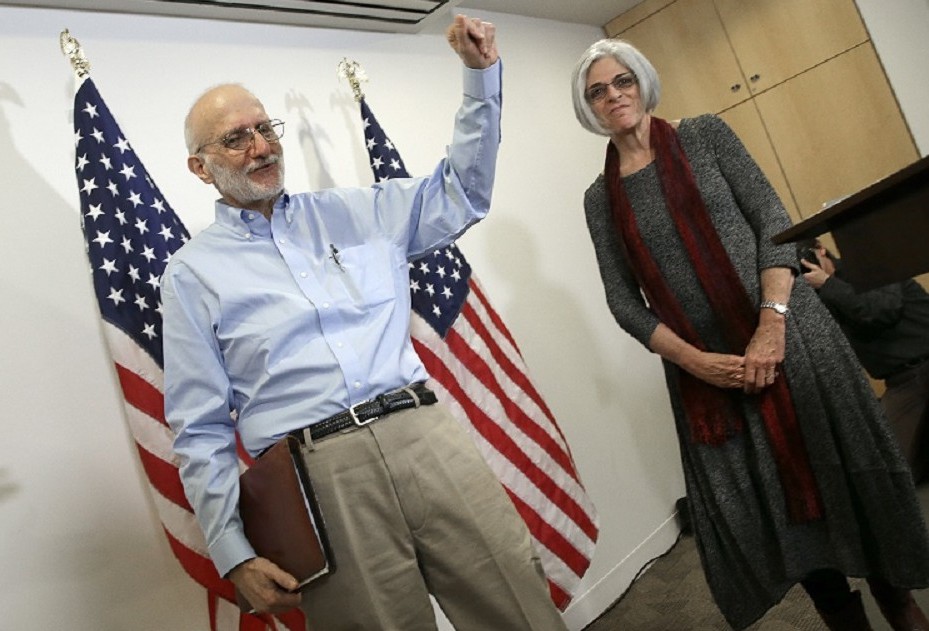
[[882, 231]]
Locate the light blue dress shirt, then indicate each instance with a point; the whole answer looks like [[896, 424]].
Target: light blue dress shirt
[[271, 326]]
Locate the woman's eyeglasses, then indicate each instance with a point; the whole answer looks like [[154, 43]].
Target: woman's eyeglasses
[[621, 83]]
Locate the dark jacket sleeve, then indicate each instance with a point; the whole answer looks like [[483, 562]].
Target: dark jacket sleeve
[[867, 311]]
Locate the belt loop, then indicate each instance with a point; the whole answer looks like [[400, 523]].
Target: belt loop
[[308, 439], [412, 394]]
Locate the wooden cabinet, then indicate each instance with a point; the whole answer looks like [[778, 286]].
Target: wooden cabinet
[[836, 128], [798, 81], [775, 40], [690, 30], [746, 122]]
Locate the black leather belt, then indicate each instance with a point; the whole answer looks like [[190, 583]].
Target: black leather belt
[[365, 412]]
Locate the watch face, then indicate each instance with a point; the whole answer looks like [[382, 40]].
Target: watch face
[[776, 306]]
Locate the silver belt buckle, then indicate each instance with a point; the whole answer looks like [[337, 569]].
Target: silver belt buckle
[[357, 420]]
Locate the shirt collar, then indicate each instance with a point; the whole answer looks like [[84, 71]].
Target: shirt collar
[[251, 221]]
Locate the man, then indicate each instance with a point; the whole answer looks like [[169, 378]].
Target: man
[[888, 328], [290, 311]]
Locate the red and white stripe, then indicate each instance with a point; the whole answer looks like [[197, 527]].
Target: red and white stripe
[[479, 373], [142, 384]]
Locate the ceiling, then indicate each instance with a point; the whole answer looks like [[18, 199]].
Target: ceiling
[[593, 12], [398, 16]]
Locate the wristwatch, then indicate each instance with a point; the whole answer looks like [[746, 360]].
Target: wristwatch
[[780, 307]]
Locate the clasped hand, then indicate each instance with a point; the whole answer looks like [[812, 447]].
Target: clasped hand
[[474, 41], [752, 372]]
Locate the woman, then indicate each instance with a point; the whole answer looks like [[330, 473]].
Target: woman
[[792, 475]]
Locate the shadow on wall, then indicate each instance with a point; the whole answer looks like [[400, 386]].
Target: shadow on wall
[[318, 173], [316, 142], [47, 263], [622, 388], [7, 488], [554, 311], [343, 101], [57, 486]]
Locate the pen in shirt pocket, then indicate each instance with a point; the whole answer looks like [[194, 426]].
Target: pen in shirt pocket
[[335, 256]]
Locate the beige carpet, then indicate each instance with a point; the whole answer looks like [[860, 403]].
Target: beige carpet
[[672, 595]]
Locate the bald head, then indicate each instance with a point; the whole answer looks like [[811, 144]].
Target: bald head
[[217, 111], [249, 177]]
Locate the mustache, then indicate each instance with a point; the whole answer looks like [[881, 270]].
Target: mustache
[[263, 162]]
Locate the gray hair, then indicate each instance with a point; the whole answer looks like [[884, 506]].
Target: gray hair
[[190, 139], [627, 55]]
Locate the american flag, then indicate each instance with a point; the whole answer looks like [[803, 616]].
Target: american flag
[[479, 373], [131, 233]]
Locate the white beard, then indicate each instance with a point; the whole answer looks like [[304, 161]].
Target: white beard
[[234, 183]]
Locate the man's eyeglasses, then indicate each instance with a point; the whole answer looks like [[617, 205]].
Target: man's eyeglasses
[[241, 139], [621, 82]]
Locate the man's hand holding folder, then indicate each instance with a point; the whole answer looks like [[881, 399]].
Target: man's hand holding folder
[[282, 521], [265, 586]]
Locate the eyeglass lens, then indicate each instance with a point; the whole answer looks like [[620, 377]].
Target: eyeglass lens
[[620, 82], [242, 138]]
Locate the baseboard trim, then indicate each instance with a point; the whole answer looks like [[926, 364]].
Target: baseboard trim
[[587, 607]]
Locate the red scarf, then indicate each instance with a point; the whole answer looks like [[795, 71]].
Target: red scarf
[[713, 413]]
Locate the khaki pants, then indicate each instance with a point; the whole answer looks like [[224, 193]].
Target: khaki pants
[[411, 509]]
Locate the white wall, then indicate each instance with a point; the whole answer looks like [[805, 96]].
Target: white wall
[[900, 32], [80, 547]]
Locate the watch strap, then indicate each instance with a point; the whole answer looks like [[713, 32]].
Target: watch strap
[[780, 307]]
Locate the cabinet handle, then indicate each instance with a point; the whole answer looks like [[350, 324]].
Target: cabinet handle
[[736, 87], [754, 78]]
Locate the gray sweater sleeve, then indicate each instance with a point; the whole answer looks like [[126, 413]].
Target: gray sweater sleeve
[[623, 296], [753, 193]]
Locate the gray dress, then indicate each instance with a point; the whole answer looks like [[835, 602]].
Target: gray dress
[[751, 553]]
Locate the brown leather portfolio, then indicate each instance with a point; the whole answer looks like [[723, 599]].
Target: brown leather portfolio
[[281, 516]]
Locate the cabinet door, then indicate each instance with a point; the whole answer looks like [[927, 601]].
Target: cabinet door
[[836, 128], [687, 45], [778, 39], [746, 123], [633, 16]]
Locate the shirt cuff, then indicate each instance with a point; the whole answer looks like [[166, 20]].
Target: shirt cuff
[[483, 83], [230, 550]]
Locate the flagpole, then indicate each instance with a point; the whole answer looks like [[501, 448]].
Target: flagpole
[[355, 74], [71, 48]]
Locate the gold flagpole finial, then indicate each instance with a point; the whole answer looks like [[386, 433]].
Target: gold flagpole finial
[[355, 74], [71, 48]]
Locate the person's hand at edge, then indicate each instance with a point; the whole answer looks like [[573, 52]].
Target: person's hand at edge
[[815, 275]]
